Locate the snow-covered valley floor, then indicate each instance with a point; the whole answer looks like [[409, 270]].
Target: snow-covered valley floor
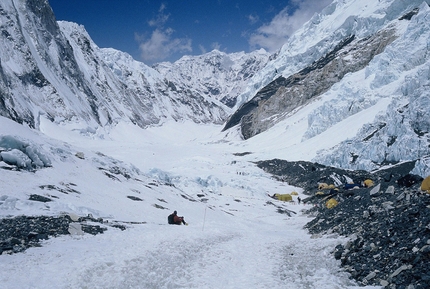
[[271, 252], [235, 238]]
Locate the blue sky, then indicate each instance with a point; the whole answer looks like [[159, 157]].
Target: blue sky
[[154, 31]]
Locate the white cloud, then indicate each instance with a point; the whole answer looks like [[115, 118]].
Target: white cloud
[[216, 45], [161, 45], [273, 35], [161, 18], [202, 49], [253, 18]]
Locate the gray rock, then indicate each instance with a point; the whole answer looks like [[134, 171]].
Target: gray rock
[[375, 190], [80, 155], [75, 229], [389, 190]]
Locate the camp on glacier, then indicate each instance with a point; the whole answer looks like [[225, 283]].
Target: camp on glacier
[[106, 147]]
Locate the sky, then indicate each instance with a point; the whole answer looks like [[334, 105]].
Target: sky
[[156, 31]]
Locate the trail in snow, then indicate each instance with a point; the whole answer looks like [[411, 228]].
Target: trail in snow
[[273, 253]]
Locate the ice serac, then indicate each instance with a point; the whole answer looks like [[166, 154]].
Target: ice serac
[[352, 52], [354, 57], [280, 97], [397, 81], [54, 69]]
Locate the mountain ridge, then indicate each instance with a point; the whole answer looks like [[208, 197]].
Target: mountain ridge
[[216, 73], [113, 146], [339, 62], [60, 73], [348, 80]]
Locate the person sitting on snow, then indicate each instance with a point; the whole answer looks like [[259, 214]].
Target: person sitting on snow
[[174, 219]]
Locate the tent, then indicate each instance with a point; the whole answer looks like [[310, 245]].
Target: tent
[[294, 193], [331, 203], [284, 197], [425, 185], [368, 183], [324, 186]]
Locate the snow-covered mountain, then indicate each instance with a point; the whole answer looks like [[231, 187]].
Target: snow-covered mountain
[[79, 146], [351, 58], [56, 70], [220, 75]]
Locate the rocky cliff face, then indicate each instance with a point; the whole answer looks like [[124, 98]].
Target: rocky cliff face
[[280, 97]]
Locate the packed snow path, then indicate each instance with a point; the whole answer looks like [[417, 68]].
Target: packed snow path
[[272, 252]]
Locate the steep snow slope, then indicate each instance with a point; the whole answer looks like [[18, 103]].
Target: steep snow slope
[[138, 90], [401, 131], [55, 69], [332, 77], [323, 32], [31, 71]]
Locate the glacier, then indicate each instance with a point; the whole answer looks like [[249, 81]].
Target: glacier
[[90, 131], [394, 80]]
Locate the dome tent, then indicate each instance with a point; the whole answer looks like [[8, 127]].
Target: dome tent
[[284, 197], [425, 185]]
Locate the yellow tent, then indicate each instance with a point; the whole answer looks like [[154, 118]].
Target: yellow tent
[[319, 193], [284, 197], [294, 193], [331, 203], [368, 183], [425, 185], [322, 186]]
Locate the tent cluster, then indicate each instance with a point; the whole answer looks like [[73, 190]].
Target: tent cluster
[[329, 191], [393, 214]]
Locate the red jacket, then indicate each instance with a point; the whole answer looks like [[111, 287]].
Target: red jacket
[[177, 220]]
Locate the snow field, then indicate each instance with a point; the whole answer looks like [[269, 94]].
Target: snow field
[[235, 238], [256, 255]]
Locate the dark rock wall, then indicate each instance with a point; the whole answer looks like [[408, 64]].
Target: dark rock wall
[[283, 95]]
